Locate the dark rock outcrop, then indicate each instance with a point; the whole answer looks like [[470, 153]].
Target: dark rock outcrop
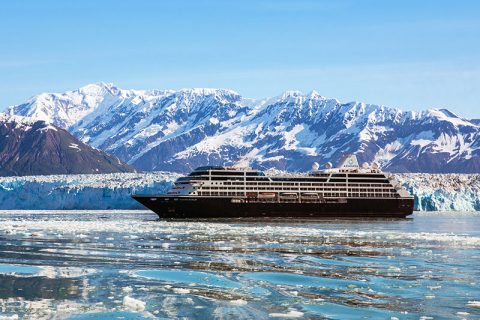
[[29, 147]]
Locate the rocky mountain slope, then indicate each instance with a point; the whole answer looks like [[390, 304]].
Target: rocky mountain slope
[[34, 147], [179, 130]]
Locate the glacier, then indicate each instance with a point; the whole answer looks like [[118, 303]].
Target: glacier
[[443, 192], [432, 192], [82, 191]]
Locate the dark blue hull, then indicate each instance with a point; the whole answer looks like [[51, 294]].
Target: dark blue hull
[[178, 207]]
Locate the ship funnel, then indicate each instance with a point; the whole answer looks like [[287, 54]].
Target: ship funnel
[[350, 161]]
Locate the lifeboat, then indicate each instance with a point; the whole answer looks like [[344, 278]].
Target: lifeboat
[[310, 195], [266, 195], [289, 195]]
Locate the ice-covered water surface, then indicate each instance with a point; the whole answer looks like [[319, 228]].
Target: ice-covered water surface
[[129, 265]]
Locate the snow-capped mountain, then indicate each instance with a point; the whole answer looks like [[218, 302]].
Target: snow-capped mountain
[[33, 147], [179, 130]]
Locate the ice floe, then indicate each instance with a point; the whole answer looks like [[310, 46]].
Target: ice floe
[[133, 304]]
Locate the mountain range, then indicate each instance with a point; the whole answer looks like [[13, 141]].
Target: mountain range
[[180, 130], [35, 147]]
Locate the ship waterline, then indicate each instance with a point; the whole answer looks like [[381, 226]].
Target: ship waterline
[[225, 192]]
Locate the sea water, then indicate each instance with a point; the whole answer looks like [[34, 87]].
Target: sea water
[[130, 265]]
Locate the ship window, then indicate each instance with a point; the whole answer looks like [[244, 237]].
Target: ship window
[[256, 179], [209, 168], [199, 178], [355, 175], [368, 180], [198, 173], [227, 173], [257, 174]]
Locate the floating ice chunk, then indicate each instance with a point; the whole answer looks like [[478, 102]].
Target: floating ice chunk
[[434, 287], [238, 302], [225, 248], [473, 304], [127, 289], [12, 317], [64, 272], [289, 314], [133, 304], [181, 290]]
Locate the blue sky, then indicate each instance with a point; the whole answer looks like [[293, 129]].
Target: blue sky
[[409, 54]]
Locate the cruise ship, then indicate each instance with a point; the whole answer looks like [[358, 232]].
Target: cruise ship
[[349, 190]]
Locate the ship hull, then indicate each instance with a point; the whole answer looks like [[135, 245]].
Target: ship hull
[[188, 207]]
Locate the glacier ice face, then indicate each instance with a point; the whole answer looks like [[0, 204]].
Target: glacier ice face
[[86, 191], [443, 192], [432, 192]]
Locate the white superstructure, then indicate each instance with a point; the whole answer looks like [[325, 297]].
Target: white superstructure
[[349, 180]]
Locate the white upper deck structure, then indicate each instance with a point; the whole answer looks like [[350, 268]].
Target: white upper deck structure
[[349, 180]]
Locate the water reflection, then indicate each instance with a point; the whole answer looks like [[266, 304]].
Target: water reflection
[[31, 288], [92, 266]]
